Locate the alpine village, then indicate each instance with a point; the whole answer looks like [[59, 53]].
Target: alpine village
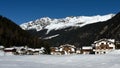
[[96, 38]]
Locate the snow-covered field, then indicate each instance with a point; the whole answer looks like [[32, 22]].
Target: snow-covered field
[[111, 60]]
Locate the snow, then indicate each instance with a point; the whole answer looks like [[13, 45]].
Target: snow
[[52, 36], [1, 47], [57, 24], [61, 61], [115, 52], [87, 47], [1, 53], [8, 48]]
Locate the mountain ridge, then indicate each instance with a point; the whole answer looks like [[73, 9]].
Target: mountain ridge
[[57, 24], [82, 36]]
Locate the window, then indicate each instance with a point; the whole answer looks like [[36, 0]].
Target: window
[[110, 43], [97, 52], [102, 43], [104, 52]]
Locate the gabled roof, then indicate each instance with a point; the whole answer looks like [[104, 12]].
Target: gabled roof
[[106, 40], [67, 45]]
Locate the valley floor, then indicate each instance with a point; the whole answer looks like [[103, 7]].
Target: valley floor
[[111, 60]]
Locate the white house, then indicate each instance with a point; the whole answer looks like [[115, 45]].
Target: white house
[[86, 49], [103, 46]]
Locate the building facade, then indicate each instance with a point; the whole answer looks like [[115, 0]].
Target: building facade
[[103, 46]]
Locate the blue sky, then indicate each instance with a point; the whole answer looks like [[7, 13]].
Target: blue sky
[[21, 11]]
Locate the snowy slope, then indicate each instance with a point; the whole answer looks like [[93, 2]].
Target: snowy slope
[[115, 52], [65, 61], [55, 24]]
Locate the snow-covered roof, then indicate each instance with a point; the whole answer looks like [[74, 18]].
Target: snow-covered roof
[[9, 48], [31, 49], [1, 46], [20, 47], [37, 49], [87, 47], [67, 45], [106, 40]]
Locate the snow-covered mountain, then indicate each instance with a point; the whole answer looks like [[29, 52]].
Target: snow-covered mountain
[[56, 24], [78, 31]]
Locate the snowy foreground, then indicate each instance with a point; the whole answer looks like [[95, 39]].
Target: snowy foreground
[[111, 60]]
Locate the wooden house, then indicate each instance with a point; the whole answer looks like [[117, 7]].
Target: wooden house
[[67, 49], [55, 51], [103, 46]]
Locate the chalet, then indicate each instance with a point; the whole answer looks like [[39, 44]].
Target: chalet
[[55, 51], [103, 46], [36, 52], [10, 51], [22, 50], [30, 51], [39, 51], [86, 49], [42, 50], [67, 49]]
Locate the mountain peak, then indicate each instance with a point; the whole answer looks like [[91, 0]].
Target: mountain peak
[[56, 24]]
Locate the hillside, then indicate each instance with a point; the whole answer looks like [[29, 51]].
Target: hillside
[[12, 35], [82, 36]]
